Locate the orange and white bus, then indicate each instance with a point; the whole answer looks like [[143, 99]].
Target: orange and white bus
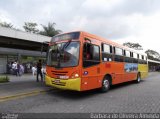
[[82, 61]]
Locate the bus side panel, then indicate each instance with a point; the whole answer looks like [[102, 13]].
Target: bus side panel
[[131, 71], [118, 73], [115, 69], [129, 76], [91, 78], [143, 69]]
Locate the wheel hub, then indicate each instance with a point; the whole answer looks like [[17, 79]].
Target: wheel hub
[[106, 83]]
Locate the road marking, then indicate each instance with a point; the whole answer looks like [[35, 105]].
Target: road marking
[[23, 95]]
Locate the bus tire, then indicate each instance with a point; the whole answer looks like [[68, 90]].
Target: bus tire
[[138, 80], [106, 83]]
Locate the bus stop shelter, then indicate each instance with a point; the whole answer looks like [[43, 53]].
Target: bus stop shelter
[[16, 44]]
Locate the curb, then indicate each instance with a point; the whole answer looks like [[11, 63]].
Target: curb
[[21, 95]]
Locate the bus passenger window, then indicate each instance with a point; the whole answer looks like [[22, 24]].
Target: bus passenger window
[[118, 54], [106, 52], [87, 52], [95, 50], [118, 58], [91, 55]]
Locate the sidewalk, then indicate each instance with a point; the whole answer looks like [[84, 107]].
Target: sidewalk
[[26, 84]]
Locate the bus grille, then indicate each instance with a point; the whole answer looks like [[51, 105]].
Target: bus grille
[[59, 73]]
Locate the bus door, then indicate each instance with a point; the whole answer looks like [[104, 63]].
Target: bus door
[[91, 66]]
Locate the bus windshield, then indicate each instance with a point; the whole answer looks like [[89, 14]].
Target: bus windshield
[[63, 54]]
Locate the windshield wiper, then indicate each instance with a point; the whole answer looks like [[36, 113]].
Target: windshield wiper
[[61, 52], [66, 45]]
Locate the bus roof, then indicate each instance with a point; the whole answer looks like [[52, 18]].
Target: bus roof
[[110, 42], [104, 40]]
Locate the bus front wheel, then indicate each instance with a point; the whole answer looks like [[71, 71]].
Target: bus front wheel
[[106, 83]]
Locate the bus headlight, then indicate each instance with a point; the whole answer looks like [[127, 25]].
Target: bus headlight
[[75, 75]]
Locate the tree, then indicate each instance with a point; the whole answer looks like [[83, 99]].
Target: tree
[[153, 55], [135, 46], [30, 27], [7, 25], [49, 30]]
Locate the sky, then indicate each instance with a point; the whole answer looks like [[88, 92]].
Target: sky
[[122, 21]]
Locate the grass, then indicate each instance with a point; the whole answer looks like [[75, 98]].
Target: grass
[[4, 79]]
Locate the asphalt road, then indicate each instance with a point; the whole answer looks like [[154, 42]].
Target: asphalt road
[[126, 98]]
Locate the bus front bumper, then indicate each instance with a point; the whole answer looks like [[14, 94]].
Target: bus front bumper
[[69, 84]]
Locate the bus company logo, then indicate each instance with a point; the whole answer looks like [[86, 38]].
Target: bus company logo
[[85, 73], [129, 67]]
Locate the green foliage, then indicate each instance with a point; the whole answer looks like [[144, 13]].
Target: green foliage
[[30, 27], [5, 24], [4, 79], [135, 46], [49, 30], [153, 55]]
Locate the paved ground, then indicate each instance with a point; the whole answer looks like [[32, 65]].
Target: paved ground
[[127, 98], [17, 85]]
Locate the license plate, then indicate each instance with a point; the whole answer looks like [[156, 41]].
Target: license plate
[[57, 81]]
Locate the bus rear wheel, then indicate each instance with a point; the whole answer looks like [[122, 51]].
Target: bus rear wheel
[[106, 83], [138, 80]]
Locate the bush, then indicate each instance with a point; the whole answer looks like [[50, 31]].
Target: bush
[[4, 79]]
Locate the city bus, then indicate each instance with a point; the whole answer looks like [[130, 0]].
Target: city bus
[[82, 61]]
